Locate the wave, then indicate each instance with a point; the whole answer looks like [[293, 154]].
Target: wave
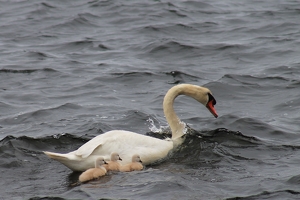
[[14, 150], [280, 194], [179, 74], [213, 138], [80, 22], [168, 28], [160, 48], [201, 149], [174, 45], [176, 49], [134, 76], [38, 115], [81, 45], [26, 71], [31, 147], [254, 80]]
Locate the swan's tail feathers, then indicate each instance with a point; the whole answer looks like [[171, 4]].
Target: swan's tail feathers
[[56, 156]]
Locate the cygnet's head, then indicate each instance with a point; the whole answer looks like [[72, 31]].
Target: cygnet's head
[[136, 158], [115, 157], [99, 162]]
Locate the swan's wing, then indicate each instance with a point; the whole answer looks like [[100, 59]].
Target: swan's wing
[[126, 143], [87, 149], [106, 138]]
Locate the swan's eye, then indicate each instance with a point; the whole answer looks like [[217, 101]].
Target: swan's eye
[[211, 98]]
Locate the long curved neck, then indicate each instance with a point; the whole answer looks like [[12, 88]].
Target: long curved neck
[[177, 127]]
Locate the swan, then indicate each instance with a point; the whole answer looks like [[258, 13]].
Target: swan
[[128, 143], [135, 165], [94, 173], [113, 164]]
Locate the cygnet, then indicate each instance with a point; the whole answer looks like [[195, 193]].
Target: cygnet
[[94, 173], [113, 164], [135, 165]]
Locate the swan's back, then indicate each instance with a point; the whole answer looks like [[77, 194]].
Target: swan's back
[[127, 143]]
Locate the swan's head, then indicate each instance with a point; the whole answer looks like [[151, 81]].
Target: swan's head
[[99, 162], [136, 158], [115, 157], [210, 104], [204, 96]]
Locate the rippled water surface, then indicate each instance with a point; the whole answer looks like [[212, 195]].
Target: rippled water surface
[[71, 70]]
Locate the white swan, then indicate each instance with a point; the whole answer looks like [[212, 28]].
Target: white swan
[[129, 143]]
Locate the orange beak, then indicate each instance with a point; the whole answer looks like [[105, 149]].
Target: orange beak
[[211, 108]]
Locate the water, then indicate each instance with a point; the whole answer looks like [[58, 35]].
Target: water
[[71, 70]]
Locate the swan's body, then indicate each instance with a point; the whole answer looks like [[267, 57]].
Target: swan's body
[[94, 173], [151, 149], [128, 143], [113, 164], [135, 165]]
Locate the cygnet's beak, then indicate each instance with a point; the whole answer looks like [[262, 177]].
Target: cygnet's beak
[[105, 162], [210, 105], [120, 158], [141, 161]]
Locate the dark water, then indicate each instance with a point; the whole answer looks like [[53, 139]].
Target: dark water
[[71, 70]]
